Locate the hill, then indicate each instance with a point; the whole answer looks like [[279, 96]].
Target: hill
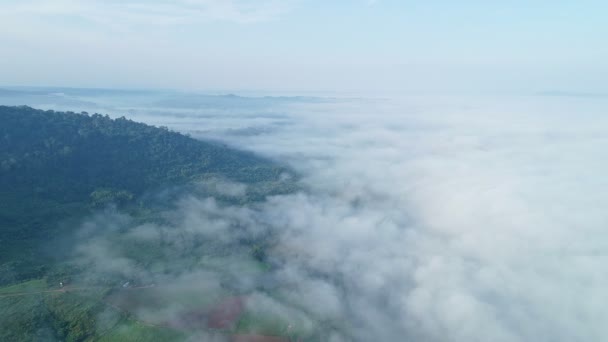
[[99, 243], [58, 166]]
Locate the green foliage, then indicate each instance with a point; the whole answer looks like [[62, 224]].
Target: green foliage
[[36, 315], [68, 156], [132, 331], [57, 166], [23, 318], [28, 286], [104, 197], [73, 315]]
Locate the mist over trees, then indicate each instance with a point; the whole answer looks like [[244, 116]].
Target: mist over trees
[[57, 169], [60, 165]]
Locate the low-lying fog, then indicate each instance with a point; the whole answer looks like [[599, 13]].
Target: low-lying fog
[[425, 218]]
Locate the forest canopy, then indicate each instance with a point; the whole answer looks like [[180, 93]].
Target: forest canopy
[[56, 166]]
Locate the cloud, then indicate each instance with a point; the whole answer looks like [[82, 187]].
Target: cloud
[[423, 219], [441, 219]]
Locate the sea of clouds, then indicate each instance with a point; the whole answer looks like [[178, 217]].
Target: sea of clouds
[[449, 219], [423, 218]]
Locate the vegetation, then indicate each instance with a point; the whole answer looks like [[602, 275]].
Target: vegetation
[[57, 168]]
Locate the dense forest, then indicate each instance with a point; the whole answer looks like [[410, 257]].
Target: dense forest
[[58, 169], [57, 166]]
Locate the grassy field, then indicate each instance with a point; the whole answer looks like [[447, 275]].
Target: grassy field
[[33, 311]]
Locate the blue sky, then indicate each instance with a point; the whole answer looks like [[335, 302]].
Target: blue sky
[[292, 45]]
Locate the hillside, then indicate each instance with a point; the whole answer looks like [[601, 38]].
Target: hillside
[[58, 166], [59, 170]]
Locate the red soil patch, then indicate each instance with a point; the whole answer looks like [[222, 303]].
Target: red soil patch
[[257, 338], [225, 314]]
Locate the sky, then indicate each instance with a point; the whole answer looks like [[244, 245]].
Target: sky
[[307, 45]]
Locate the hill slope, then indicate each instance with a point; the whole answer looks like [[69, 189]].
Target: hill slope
[[151, 269], [56, 166]]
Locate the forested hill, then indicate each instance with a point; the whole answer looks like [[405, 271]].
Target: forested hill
[[58, 165], [71, 155]]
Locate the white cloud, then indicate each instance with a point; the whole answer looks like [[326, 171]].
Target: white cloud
[[430, 219], [464, 219]]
